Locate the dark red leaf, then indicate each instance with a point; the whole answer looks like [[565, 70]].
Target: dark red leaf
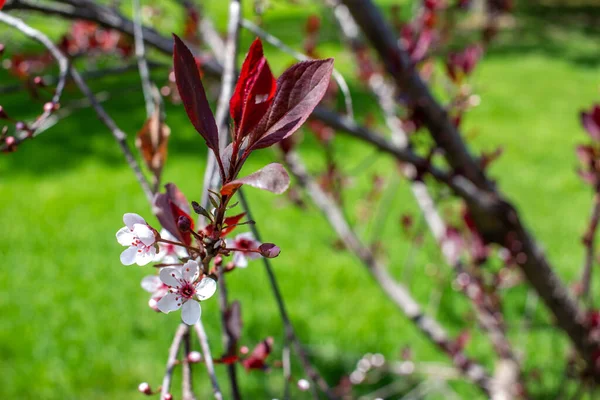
[[168, 207], [254, 91], [299, 89], [230, 224], [192, 94], [272, 177], [591, 122], [257, 359], [2, 3]]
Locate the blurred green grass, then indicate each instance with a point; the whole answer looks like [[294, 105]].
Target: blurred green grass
[[75, 324]]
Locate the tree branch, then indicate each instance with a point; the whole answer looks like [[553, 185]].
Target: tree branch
[[208, 360], [172, 360], [290, 333], [395, 291], [118, 134]]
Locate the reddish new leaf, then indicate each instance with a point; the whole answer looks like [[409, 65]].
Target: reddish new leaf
[[230, 223], [299, 89], [259, 355], [273, 178], [254, 91], [2, 3], [168, 207], [192, 94]]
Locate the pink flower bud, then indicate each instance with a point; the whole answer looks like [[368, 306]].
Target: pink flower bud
[[194, 357], [145, 388], [168, 396], [21, 126], [39, 81], [1, 49], [10, 140], [50, 106], [184, 224], [303, 385], [269, 250]]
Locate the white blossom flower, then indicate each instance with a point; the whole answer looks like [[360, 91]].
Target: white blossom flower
[[185, 292], [169, 253], [243, 242], [140, 238], [152, 284]]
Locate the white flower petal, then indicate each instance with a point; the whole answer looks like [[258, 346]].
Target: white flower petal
[[131, 218], [125, 236], [190, 269], [239, 259], [206, 288], [181, 251], [144, 233], [165, 234], [145, 256], [170, 276], [190, 312], [151, 283], [128, 255], [169, 302], [246, 235], [252, 256]]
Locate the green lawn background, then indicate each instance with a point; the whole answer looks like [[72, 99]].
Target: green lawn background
[[74, 323]]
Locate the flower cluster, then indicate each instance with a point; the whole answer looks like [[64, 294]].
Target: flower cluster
[[264, 112]]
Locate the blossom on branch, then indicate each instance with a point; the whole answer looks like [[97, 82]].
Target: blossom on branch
[[185, 291], [169, 253], [140, 238], [243, 244]]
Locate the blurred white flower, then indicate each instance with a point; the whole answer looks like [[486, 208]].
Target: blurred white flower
[[243, 243], [169, 253]]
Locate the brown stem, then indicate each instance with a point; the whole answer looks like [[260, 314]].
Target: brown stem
[[395, 291], [589, 243], [118, 134], [290, 333]]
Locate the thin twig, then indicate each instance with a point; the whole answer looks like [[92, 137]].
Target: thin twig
[[140, 53], [212, 177], [186, 369], [339, 78], [118, 134], [395, 291], [287, 370], [63, 66], [172, 360], [206, 355], [290, 333]]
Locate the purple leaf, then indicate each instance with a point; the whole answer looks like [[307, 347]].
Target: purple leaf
[[192, 94], [299, 89], [273, 178]]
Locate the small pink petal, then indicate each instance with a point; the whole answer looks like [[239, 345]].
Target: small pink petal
[[190, 312], [170, 276], [128, 255], [206, 288], [125, 236], [169, 302], [131, 218]]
